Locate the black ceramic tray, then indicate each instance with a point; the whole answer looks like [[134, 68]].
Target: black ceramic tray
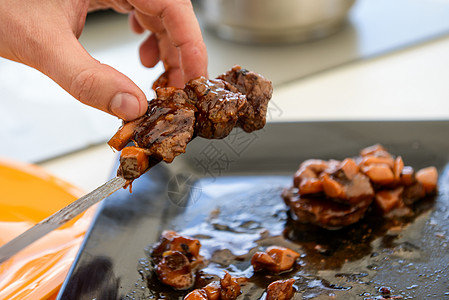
[[227, 193]]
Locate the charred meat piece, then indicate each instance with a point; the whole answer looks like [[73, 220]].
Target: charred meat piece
[[176, 259], [258, 91], [280, 290], [218, 109], [274, 259], [333, 194], [167, 127]]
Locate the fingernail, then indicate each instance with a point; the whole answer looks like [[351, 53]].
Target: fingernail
[[125, 106]]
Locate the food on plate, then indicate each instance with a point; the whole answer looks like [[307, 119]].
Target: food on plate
[[209, 108], [230, 288], [227, 289], [176, 259], [275, 259], [333, 194], [280, 290]]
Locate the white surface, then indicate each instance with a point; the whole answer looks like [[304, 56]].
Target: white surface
[[411, 84]]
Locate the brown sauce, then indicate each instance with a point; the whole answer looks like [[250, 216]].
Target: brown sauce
[[351, 263]]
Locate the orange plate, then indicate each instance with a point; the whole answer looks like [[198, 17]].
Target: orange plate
[[28, 195]]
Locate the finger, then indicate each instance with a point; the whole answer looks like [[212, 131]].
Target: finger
[[149, 51], [152, 23], [134, 24], [160, 47], [121, 6], [183, 30], [91, 82]]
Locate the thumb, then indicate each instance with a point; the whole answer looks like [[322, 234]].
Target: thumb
[[93, 83]]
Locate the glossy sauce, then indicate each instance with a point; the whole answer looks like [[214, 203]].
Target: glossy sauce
[[333, 263]]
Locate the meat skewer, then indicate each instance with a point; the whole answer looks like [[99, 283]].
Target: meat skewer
[[209, 108]]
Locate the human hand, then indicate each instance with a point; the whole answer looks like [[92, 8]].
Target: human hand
[[43, 34]]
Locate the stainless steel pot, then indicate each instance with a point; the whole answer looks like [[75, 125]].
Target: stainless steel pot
[[273, 21]]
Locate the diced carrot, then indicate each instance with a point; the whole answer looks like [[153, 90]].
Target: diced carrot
[[350, 168], [124, 135], [407, 176], [302, 174], [379, 173], [386, 200], [370, 160], [372, 149], [398, 167], [428, 177], [332, 188], [284, 257], [276, 259], [261, 261], [316, 165], [310, 186]]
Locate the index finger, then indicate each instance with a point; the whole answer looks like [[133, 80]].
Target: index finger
[[179, 20]]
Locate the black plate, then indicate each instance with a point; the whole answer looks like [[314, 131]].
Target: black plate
[[227, 192]]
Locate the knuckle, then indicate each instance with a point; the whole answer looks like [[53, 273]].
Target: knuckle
[[83, 86]]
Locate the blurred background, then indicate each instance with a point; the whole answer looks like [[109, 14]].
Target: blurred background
[[328, 60]]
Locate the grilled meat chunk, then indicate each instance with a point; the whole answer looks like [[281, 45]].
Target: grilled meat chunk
[[167, 127], [218, 109], [258, 91]]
